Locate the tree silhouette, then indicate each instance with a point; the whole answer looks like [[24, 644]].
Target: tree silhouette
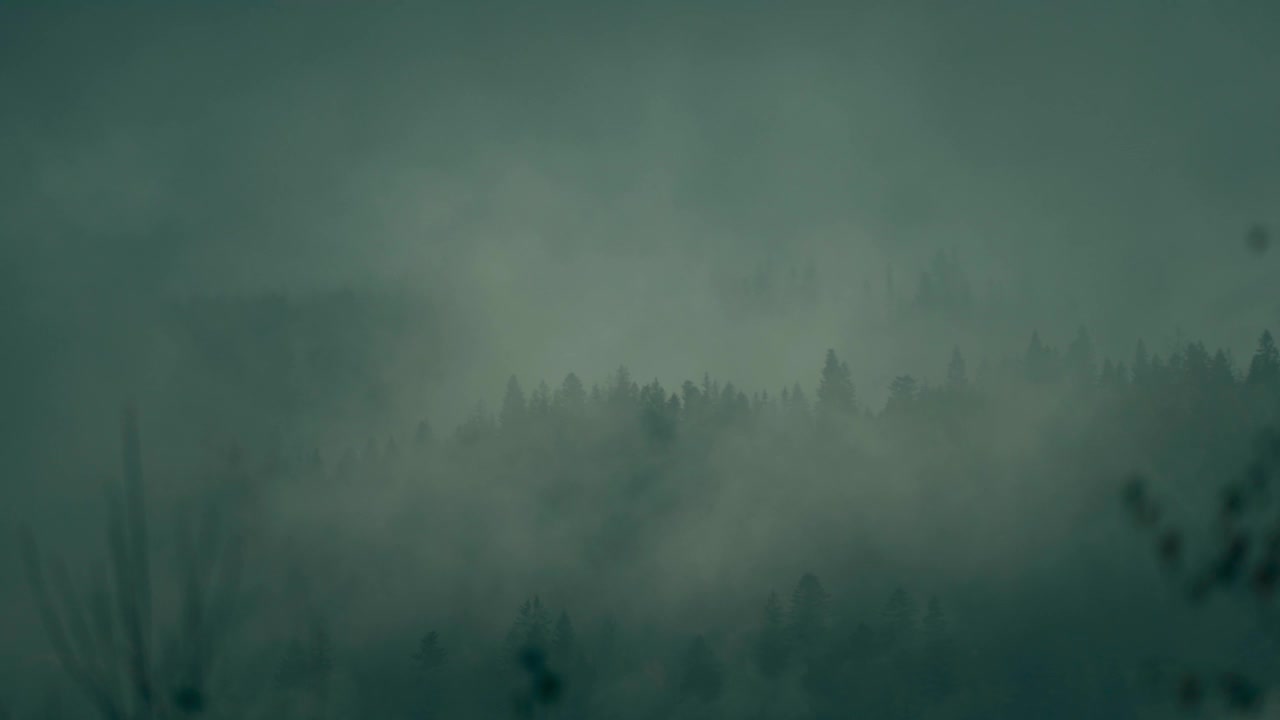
[[1264, 367], [514, 410], [902, 392], [571, 398], [957, 379], [701, 677], [900, 617], [564, 643], [809, 613], [105, 642], [771, 648], [836, 397], [532, 627], [431, 653], [1039, 361], [1080, 361]]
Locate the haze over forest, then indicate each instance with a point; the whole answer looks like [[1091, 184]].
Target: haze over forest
[[873, 359]]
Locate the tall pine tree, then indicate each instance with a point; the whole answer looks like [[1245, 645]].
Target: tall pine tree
[[807, 621], [1264, 367], [513, 406], [771, 648], [957, 379], [836, 397], [701, 677]]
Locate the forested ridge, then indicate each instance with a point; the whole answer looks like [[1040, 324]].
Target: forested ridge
[[714, 551]]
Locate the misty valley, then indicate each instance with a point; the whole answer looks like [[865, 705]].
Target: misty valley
[[620, 549], [653, 360]]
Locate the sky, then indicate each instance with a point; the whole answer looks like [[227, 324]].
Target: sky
[[570, 183]]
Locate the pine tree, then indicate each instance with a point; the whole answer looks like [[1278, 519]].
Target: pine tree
[[476, 428], [771, 650], [540, 401], [571, 398], [902, 391], [563, 639], [1222, 372], [957, 379], [422, 435], [1080, 361], [431, 654], [900, 617], [1122, 375], [701, 678], [1142, 365], [799, 401], [1196, 365], [531, 628], [321, 658], [836, 397], [1107, 375], [622, 389], [513, 410], [935, 622], [807, 621], [1039, 360], [1264, 368]]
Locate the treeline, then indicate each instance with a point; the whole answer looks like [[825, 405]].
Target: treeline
[[803, 656], [1188, 372], [593, 513], [599, 472]]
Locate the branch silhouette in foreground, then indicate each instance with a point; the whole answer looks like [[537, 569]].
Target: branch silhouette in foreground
[[1247, 558], [104, 638]]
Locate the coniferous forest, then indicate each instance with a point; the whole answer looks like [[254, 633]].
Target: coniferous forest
[[712, 551], [901, 360]]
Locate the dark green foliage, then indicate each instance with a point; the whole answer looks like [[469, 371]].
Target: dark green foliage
[[571, 398], [1264, 367], [1080, 361], [957, 377], [532, 627], [902, 392], [809, 613], [701, 676], [1041, 362], [943, 288], [836, 397], [1244, 558], [564, 643], [431, 653], [901, 617], [628, 459], [514, 410], [307, 663], [772, 649], [544, 688], [422, 434], [478, 428], [1143, 372], [540, 402]]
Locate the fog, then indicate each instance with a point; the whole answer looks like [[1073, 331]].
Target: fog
[[330, 253]]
